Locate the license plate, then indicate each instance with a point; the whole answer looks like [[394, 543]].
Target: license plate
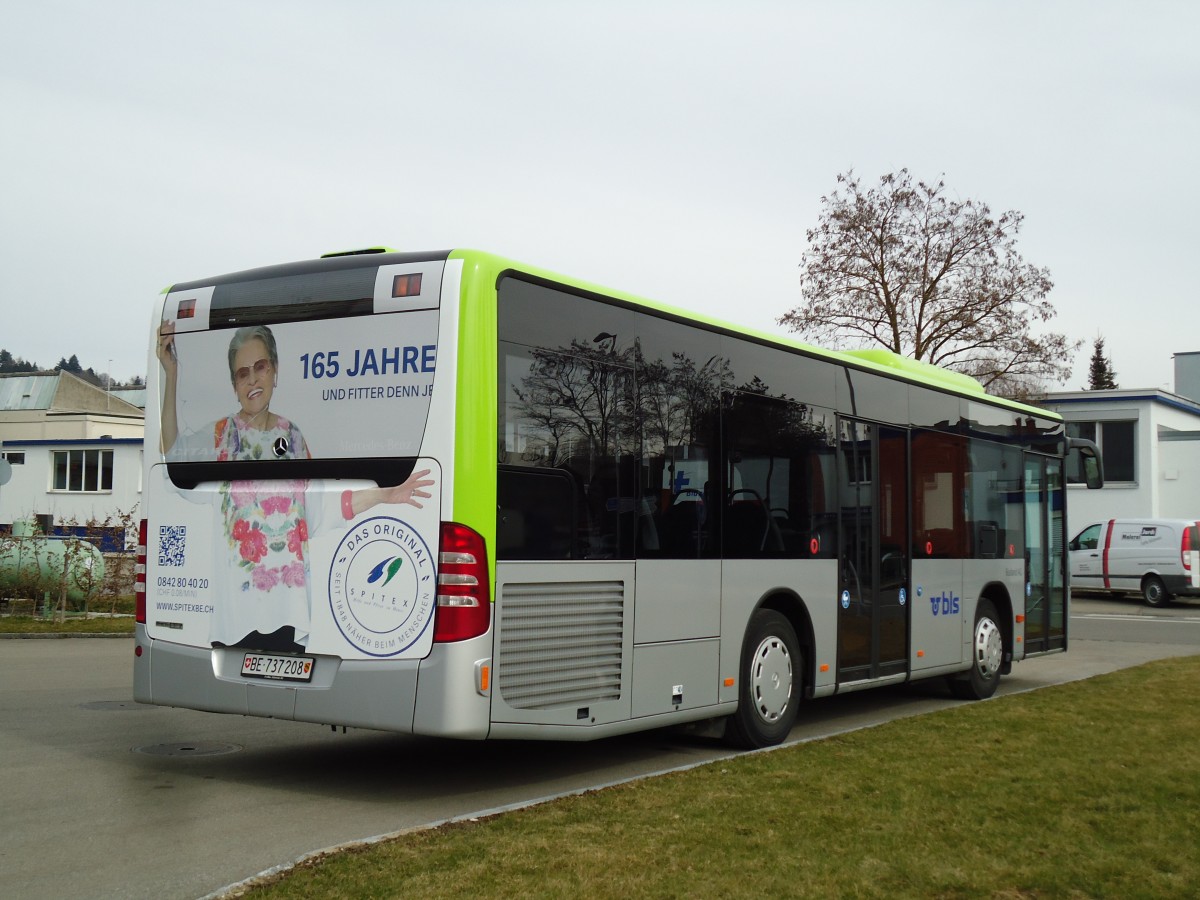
[[278, 668]]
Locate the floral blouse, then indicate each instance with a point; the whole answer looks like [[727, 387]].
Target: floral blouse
[[266, 530]]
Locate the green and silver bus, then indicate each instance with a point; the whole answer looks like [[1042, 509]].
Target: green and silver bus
[[450, 494]]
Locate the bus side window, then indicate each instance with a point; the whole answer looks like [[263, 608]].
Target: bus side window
[[938, 476], [779, 500], [536, 515]]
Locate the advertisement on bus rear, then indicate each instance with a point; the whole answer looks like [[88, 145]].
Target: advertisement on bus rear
[[337, 560]]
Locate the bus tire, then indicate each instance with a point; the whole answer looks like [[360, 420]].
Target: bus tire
[[987, 656], [770, 683], [1154, 592]]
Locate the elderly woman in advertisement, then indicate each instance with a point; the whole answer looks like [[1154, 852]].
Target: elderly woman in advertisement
[[254, 431], [265, 524]]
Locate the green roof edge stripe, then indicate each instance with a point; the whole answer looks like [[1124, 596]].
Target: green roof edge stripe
[[476, 399]]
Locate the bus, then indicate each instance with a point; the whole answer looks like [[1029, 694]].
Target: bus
[[449, 494]]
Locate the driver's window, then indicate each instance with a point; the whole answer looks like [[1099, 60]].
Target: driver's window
[[1087, 539]]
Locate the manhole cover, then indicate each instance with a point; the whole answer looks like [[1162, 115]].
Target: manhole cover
[[188, 748], [116, 704]]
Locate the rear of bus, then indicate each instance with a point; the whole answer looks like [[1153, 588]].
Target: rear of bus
[[301, 558]]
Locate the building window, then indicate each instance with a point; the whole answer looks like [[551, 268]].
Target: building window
[[1116, 440], [14, 457], [84, 471]]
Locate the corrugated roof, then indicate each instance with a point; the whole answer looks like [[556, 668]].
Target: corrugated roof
[[26, 391], [65, 392], [136, 396]]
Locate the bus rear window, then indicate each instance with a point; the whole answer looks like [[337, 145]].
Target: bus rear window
[[290, 298]]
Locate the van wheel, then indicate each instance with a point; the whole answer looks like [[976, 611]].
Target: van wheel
[[1154, 592], [987, 656], [769, 692]]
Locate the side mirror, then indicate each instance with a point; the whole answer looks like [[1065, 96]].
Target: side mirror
[[1084, 457]]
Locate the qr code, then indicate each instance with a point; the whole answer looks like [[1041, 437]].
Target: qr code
[[172, 540]]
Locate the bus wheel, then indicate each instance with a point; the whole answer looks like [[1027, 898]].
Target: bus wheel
[[1154, 592], [987, 656], [769, 693]]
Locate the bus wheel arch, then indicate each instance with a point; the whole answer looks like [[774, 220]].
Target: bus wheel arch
[[791, 606], [997, 594], [771, 674]]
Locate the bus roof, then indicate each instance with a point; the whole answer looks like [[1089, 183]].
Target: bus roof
[[493, 267]]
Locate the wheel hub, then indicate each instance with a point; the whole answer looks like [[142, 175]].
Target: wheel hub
[[989, 647], [771, 679]]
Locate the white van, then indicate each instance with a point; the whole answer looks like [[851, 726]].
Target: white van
[[1160, 558]]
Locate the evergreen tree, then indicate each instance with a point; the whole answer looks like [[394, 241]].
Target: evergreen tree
[[1101, 376], [70, 365], [10, 363]]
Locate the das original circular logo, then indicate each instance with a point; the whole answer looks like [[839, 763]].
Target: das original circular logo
[[382, 586]]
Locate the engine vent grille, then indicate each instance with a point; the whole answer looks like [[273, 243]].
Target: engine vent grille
[[561, 644]]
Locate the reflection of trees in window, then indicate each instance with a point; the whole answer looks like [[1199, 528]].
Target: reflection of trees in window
[[574, 411], [584, 394], [778, 476], [576, 401], [679, 404], [776, 430], [620, 425]]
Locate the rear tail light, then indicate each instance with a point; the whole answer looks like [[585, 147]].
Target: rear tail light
[[463, 593], [139, 577], [1185, 547]]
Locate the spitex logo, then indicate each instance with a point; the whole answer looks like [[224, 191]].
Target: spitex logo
[[381, 586]]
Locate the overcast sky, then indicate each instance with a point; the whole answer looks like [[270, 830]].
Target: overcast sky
[[676, 150]]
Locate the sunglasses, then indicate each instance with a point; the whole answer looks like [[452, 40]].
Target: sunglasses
[[260, 368]]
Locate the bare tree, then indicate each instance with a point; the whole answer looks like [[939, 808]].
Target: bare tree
[[903, 266]]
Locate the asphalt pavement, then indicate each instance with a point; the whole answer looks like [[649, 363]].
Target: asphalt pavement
[[107, 798]]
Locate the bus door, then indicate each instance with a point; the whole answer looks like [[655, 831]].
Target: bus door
[[1045, 586], [873, 580]]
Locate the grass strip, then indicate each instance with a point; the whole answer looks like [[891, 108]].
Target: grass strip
[[70, 625], [1087, 789]]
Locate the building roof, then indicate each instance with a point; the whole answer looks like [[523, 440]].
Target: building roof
[[136, 396], [27, 390], [59, 392], [1059, 399]]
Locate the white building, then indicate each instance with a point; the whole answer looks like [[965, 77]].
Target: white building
[[1150, 441], [75, 451]]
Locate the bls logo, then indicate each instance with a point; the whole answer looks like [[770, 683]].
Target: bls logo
[[944, 605]]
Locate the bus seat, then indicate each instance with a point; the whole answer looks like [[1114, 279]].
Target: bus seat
[[750, 530], [682, 533], [987, 540]]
